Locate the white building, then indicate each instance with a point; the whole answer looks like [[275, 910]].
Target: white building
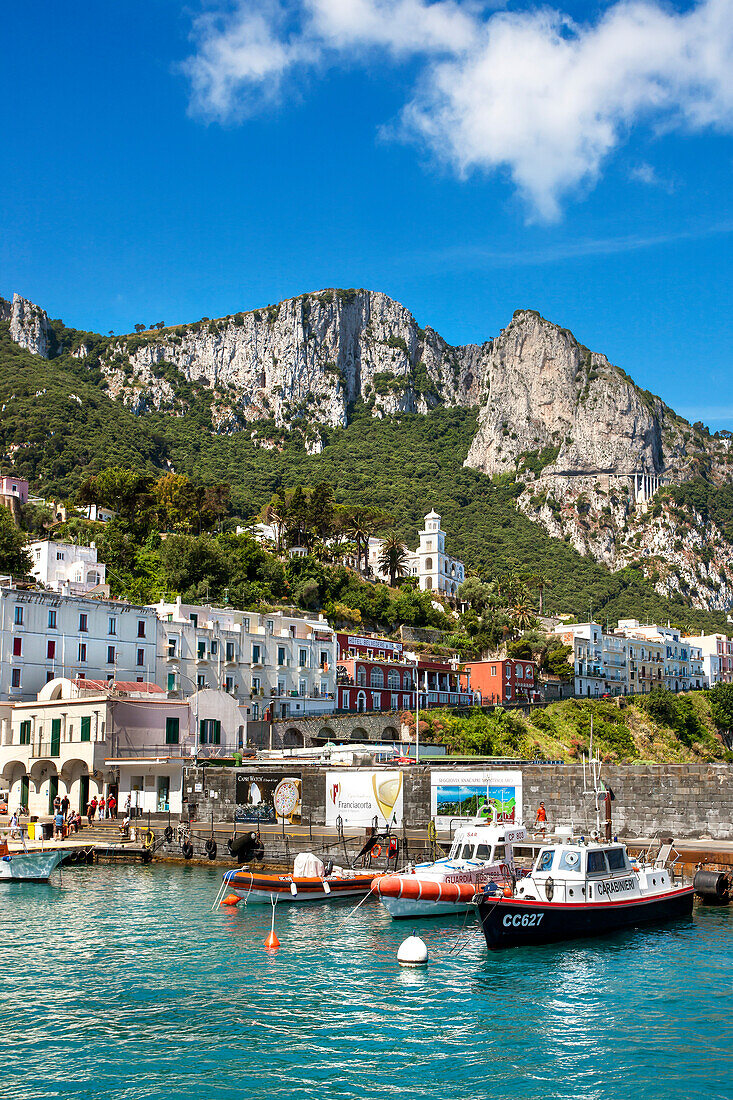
[[717, 657], [435, 570], [683, 662], [84, 738], [284, 665], [632, 660], [45, 635], [65, 567], [97, 512], [587, 642], [61, 742]]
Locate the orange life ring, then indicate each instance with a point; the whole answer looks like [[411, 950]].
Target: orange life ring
[[377, 850]]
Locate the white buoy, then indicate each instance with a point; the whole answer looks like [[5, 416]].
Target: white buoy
[[412, 952]]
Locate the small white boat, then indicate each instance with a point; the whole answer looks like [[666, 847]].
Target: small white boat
[[25, 866], [481, 853]]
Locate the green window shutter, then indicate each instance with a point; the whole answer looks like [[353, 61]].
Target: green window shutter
[[171, 731], [86, 728], [171, 681], [55, 737], [216, 739], [25, 733], [202, 731]]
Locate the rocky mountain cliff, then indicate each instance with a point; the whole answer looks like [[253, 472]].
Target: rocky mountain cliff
[[589, 447]]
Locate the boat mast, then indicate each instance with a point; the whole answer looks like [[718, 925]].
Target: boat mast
[[594, 773]]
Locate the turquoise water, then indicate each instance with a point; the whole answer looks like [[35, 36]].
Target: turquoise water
[[122, 984]]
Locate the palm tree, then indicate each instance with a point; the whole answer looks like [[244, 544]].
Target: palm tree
[[393, 558], [541, 582], [359, 526], [523, 616]]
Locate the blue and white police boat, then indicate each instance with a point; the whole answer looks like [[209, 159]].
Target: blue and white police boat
[[578, 888], [582, 888]]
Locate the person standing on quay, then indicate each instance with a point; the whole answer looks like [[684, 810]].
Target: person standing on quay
[[101, 808], [65, 805], [92, 809], [540, 821], [112, 806]]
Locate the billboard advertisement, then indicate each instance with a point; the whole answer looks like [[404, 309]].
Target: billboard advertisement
[[457, 794], [267, 797], [360, 797]]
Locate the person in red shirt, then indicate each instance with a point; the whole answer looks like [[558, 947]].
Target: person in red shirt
[[540, 821], [101, 808], [112, 806], [92, 810]]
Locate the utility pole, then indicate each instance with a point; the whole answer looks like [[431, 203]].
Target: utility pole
[[417, 713]]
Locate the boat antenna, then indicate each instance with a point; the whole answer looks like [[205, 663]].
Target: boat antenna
[[594, 773]]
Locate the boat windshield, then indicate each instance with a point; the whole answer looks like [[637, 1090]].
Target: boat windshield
[[544, 863], [597, 863], [483, 851], [467, 851], [616, 859]]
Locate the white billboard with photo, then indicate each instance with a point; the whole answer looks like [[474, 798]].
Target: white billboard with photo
[[360, 797], [457, 794]]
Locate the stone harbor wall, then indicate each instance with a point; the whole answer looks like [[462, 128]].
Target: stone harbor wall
[[680, 800]]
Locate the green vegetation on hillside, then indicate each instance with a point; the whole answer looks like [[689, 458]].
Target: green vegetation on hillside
[[662, 727], [61, 427]]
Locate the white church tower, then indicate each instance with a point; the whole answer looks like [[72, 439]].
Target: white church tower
[[437, 571]]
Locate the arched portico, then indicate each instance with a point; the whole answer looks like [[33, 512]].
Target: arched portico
[[76, 783]]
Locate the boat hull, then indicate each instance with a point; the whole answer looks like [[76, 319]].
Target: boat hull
[[508, 922], [404, 908], [29, 866], [263, 889]]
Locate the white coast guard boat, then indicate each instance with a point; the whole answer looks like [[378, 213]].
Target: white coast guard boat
[[481, 853]]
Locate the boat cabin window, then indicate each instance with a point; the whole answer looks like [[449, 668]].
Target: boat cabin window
[[597, 863], [544, 863], [616, 859], [483, 851], [467, 851], [569, 860]]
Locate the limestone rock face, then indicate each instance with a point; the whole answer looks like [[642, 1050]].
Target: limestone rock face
[[589, 447], [28, 324], [305, 359], [546, 393]]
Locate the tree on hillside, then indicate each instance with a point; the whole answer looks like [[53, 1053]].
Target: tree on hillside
[[15, 557], [393, 558], [361, 524], [522, 616], [474, 592], [321, 511], [721, 705], [128, 492], [275, 514], [542, 583]]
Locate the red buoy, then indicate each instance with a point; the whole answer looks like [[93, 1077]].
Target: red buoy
[[230, 899]]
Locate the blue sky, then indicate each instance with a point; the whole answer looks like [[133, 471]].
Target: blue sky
[[164, 163]]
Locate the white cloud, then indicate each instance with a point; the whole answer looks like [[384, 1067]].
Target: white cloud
[[529, 93]]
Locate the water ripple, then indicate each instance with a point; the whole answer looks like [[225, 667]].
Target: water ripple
[[122, 982]]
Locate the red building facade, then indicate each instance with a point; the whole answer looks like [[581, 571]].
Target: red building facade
[[372, 674], [376, 674], [504, 682]]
